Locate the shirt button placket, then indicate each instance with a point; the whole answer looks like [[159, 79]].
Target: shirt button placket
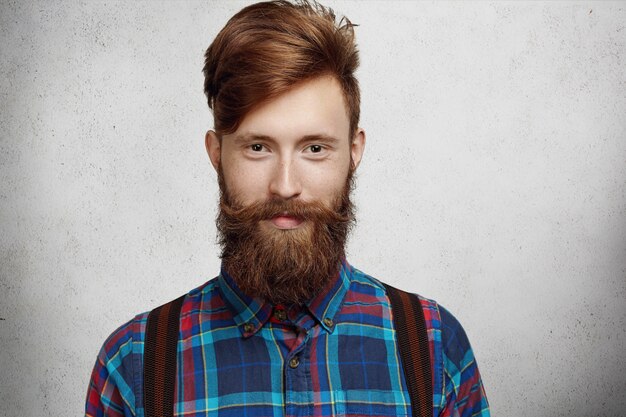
[[298, 395], [297, 399]]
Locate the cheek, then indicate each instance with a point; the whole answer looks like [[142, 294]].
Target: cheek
[[328, 184], [243, 184]]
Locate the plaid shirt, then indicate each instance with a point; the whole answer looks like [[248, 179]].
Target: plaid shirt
[[337, 356]]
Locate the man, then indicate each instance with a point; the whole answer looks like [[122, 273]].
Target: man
[[289, 327]]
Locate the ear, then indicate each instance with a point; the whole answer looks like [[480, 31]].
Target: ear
[[213, 148], [357, 147]]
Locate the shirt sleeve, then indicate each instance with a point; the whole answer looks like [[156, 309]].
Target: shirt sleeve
[[464, 391], [111, 391]]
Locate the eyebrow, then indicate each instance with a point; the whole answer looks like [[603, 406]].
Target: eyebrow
[[304, 139], [248, 137], [318, 138]]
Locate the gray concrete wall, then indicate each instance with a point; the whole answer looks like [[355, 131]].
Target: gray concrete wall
[[494, 181]]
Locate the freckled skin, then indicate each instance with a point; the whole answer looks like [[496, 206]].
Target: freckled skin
[[294, 146]]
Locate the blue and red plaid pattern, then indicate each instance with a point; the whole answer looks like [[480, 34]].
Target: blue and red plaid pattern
[[337, 356]]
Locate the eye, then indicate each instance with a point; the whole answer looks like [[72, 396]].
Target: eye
[[257, 147], [316, 148]]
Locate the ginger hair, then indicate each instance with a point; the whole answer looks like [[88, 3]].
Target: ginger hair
[[267, 48]]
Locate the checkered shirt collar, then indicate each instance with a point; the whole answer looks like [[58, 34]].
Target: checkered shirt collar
[[251, 314]]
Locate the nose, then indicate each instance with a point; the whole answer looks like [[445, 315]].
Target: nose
[[285, 182]]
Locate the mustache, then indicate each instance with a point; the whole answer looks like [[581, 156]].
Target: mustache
[[314, 211]]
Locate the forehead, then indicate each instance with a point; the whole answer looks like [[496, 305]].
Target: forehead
[[311, 108]]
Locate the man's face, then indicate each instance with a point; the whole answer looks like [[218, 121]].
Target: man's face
[[296, 146], [285, 178]]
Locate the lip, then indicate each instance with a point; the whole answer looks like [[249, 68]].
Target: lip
[[285, 221]]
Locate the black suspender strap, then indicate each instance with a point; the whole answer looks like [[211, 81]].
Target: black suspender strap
[[159, 363], [410, 324]]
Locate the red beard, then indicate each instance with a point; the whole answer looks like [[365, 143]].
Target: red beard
[[283, 266]]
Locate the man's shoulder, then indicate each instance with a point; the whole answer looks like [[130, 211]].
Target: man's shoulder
[[456, 376], [437, 317], [455, 343], [120, 342], [116, 379], [364, 281]]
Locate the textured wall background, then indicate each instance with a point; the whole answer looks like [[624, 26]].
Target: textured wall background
[[494, 181]]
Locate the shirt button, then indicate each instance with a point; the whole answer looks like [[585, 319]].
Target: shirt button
[[248, 327], [294, 362], [280, 315], [328, 322]]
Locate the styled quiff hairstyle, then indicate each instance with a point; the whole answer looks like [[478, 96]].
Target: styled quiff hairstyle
[[267, 48]]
